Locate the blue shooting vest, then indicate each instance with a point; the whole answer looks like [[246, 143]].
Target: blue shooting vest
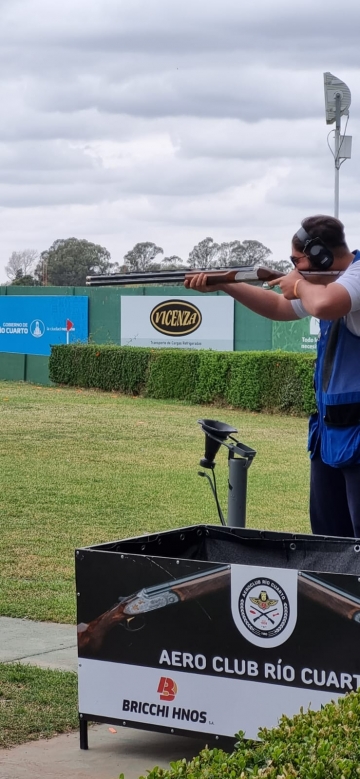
[[335, 429]]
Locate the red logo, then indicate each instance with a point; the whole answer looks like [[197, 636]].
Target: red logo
[[167, 689]]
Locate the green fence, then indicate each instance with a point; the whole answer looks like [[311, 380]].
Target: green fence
[[251, 332]]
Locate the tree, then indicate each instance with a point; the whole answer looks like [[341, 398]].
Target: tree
[[285, 266], [255, 253], [23, 280], [230, 254], [208, 254], [69, 260], [203, 254], [141, 257], [172, 263], [20, 262]]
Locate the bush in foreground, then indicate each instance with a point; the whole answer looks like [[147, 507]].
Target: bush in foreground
[[255, 381], [312, 745]]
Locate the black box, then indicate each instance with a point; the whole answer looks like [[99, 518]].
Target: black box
[[211, 630]]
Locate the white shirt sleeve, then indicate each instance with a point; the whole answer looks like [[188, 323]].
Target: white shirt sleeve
[[351, 281], [299, 309]]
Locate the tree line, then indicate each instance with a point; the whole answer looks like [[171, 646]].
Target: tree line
[[68, 261]]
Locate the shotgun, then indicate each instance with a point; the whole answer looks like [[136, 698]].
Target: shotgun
[[91, 635], [328, 595], [214, 276]]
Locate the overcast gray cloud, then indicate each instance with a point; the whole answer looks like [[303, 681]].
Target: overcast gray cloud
[[134, 120]]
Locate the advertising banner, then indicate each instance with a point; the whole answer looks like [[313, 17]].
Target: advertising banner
[[31, 325], [186, 322], [298, 336], [208, 647]]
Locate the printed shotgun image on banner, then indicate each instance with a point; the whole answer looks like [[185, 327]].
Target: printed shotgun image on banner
[[150, 599], [261, 608]]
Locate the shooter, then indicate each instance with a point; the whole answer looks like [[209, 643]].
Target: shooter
[[334, 430]]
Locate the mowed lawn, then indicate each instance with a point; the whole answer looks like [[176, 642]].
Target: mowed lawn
[[79, 467]]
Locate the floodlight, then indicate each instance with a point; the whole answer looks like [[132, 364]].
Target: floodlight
[[337, 103], [334, 86]]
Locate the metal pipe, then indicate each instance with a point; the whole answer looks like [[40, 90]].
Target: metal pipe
[[337, 150], [238, 468]]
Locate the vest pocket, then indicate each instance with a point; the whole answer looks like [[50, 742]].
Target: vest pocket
[[340, 445], [342, 415]]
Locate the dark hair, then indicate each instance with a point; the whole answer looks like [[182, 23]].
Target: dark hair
[[327, 228]]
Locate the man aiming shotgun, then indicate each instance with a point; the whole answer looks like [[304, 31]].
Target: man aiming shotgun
[[334, 430]]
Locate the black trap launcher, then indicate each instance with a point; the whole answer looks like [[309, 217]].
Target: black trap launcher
[[240, 458]]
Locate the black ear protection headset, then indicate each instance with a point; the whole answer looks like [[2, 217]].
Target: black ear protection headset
[[317, 252]]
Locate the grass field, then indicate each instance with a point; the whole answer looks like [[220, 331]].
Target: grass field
[[79, 467], [35, 703]]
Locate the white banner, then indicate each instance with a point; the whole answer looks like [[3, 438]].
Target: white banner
[[185, 701], [185, 322]]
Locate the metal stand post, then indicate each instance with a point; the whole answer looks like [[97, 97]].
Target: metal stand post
[[84, 744], [238, 468], [336, 154]]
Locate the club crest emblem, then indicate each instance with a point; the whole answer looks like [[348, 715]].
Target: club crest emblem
[[264, 608], [264, 614]]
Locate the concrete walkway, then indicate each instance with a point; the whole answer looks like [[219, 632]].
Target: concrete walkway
[[45, 644], [127, 751]]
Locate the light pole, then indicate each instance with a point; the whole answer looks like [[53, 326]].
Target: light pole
[[337, 103]]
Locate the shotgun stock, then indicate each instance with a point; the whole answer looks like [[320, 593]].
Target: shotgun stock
[[91, 635]]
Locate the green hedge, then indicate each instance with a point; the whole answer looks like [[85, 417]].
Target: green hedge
[[313, 745], [257, 381], [105, 367]]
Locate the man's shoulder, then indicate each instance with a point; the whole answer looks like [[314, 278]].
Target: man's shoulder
[[350, 280], [351, 274], [354, 266]]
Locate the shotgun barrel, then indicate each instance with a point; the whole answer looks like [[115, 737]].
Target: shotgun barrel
[[328, 595]]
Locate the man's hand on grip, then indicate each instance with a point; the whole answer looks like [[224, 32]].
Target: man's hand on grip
[[199, 283]]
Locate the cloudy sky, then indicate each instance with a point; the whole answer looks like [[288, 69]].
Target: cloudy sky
[[167, 121]]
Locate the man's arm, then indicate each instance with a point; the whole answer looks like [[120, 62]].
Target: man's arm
[[261, 301], [330, 301]]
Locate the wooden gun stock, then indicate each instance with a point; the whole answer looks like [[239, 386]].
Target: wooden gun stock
[[92, 634]]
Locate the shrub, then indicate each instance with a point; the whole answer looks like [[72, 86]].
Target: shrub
[[172, 374], [271, 381], [105, 367], [257, 381], [321, 744]]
